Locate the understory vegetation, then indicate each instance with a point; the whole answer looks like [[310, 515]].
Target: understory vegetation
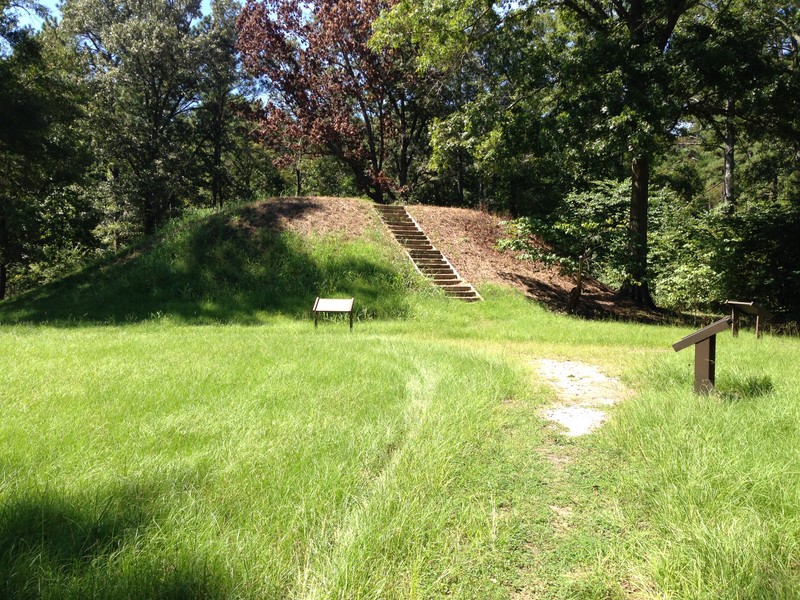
[[699, 257]]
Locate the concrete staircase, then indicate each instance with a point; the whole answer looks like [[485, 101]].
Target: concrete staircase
[[429, 261]]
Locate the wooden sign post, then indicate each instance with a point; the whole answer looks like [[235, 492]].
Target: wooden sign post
[[333, 305], [748, 308], [705, 353]]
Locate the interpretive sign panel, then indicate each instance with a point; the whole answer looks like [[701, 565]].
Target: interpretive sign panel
[[333, 305]]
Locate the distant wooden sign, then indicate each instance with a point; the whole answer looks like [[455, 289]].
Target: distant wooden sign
[[333, 305], [748, 308]]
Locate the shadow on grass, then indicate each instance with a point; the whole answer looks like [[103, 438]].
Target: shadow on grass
[[740, 388], [58, 547], [233, 267]]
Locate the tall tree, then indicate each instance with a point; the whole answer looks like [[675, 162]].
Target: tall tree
[[217, 111], [23, 127], [329, 92], [38, 107], [620, 68], [144, 57], [723, 53]]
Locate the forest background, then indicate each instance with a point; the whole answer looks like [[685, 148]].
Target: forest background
[[660, 140]]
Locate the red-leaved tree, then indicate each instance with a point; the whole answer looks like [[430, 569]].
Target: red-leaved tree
[[328, 92]]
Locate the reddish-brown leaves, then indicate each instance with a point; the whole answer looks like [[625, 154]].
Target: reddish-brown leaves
[[327, 91]]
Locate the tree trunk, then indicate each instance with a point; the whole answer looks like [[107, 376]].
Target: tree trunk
[[149, 217], [403, 163], [728, 148], [216, 175], [4, 253], [298, 177], [636, 286], [460, 180]]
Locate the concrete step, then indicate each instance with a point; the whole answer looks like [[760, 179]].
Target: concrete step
[[436, 270], [445, 279], [457, 288]]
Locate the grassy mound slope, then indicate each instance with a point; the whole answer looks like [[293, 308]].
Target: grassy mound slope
[[240, 265]]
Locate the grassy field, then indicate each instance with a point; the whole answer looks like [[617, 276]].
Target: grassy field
[[166, 450]]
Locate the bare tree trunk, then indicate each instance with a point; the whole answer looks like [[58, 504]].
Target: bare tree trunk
[[4, 254], [149, 219], [460, 180], [728, 148], [636, 286], [216, 175], [298, 181]]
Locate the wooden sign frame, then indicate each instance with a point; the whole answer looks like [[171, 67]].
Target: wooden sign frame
[[749, 308]]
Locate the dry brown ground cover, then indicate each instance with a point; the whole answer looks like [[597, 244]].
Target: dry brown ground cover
[[346, 217], [467, 237]]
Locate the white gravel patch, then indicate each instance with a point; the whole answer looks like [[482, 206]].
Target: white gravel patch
[[582, 388], [577, 420]]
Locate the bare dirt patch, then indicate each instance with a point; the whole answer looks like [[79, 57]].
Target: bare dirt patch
[[348, 217], [581, 383], [469, 239], [583, 391]]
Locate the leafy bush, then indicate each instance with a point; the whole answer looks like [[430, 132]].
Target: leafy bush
[[683, 254], [592, 224], [759, 257]]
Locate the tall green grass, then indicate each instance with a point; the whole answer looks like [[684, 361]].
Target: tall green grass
[[714, 481], [160, 461], [178, 451]]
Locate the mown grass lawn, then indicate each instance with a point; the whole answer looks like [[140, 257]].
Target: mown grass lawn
[[174, 427], [405, 460]]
